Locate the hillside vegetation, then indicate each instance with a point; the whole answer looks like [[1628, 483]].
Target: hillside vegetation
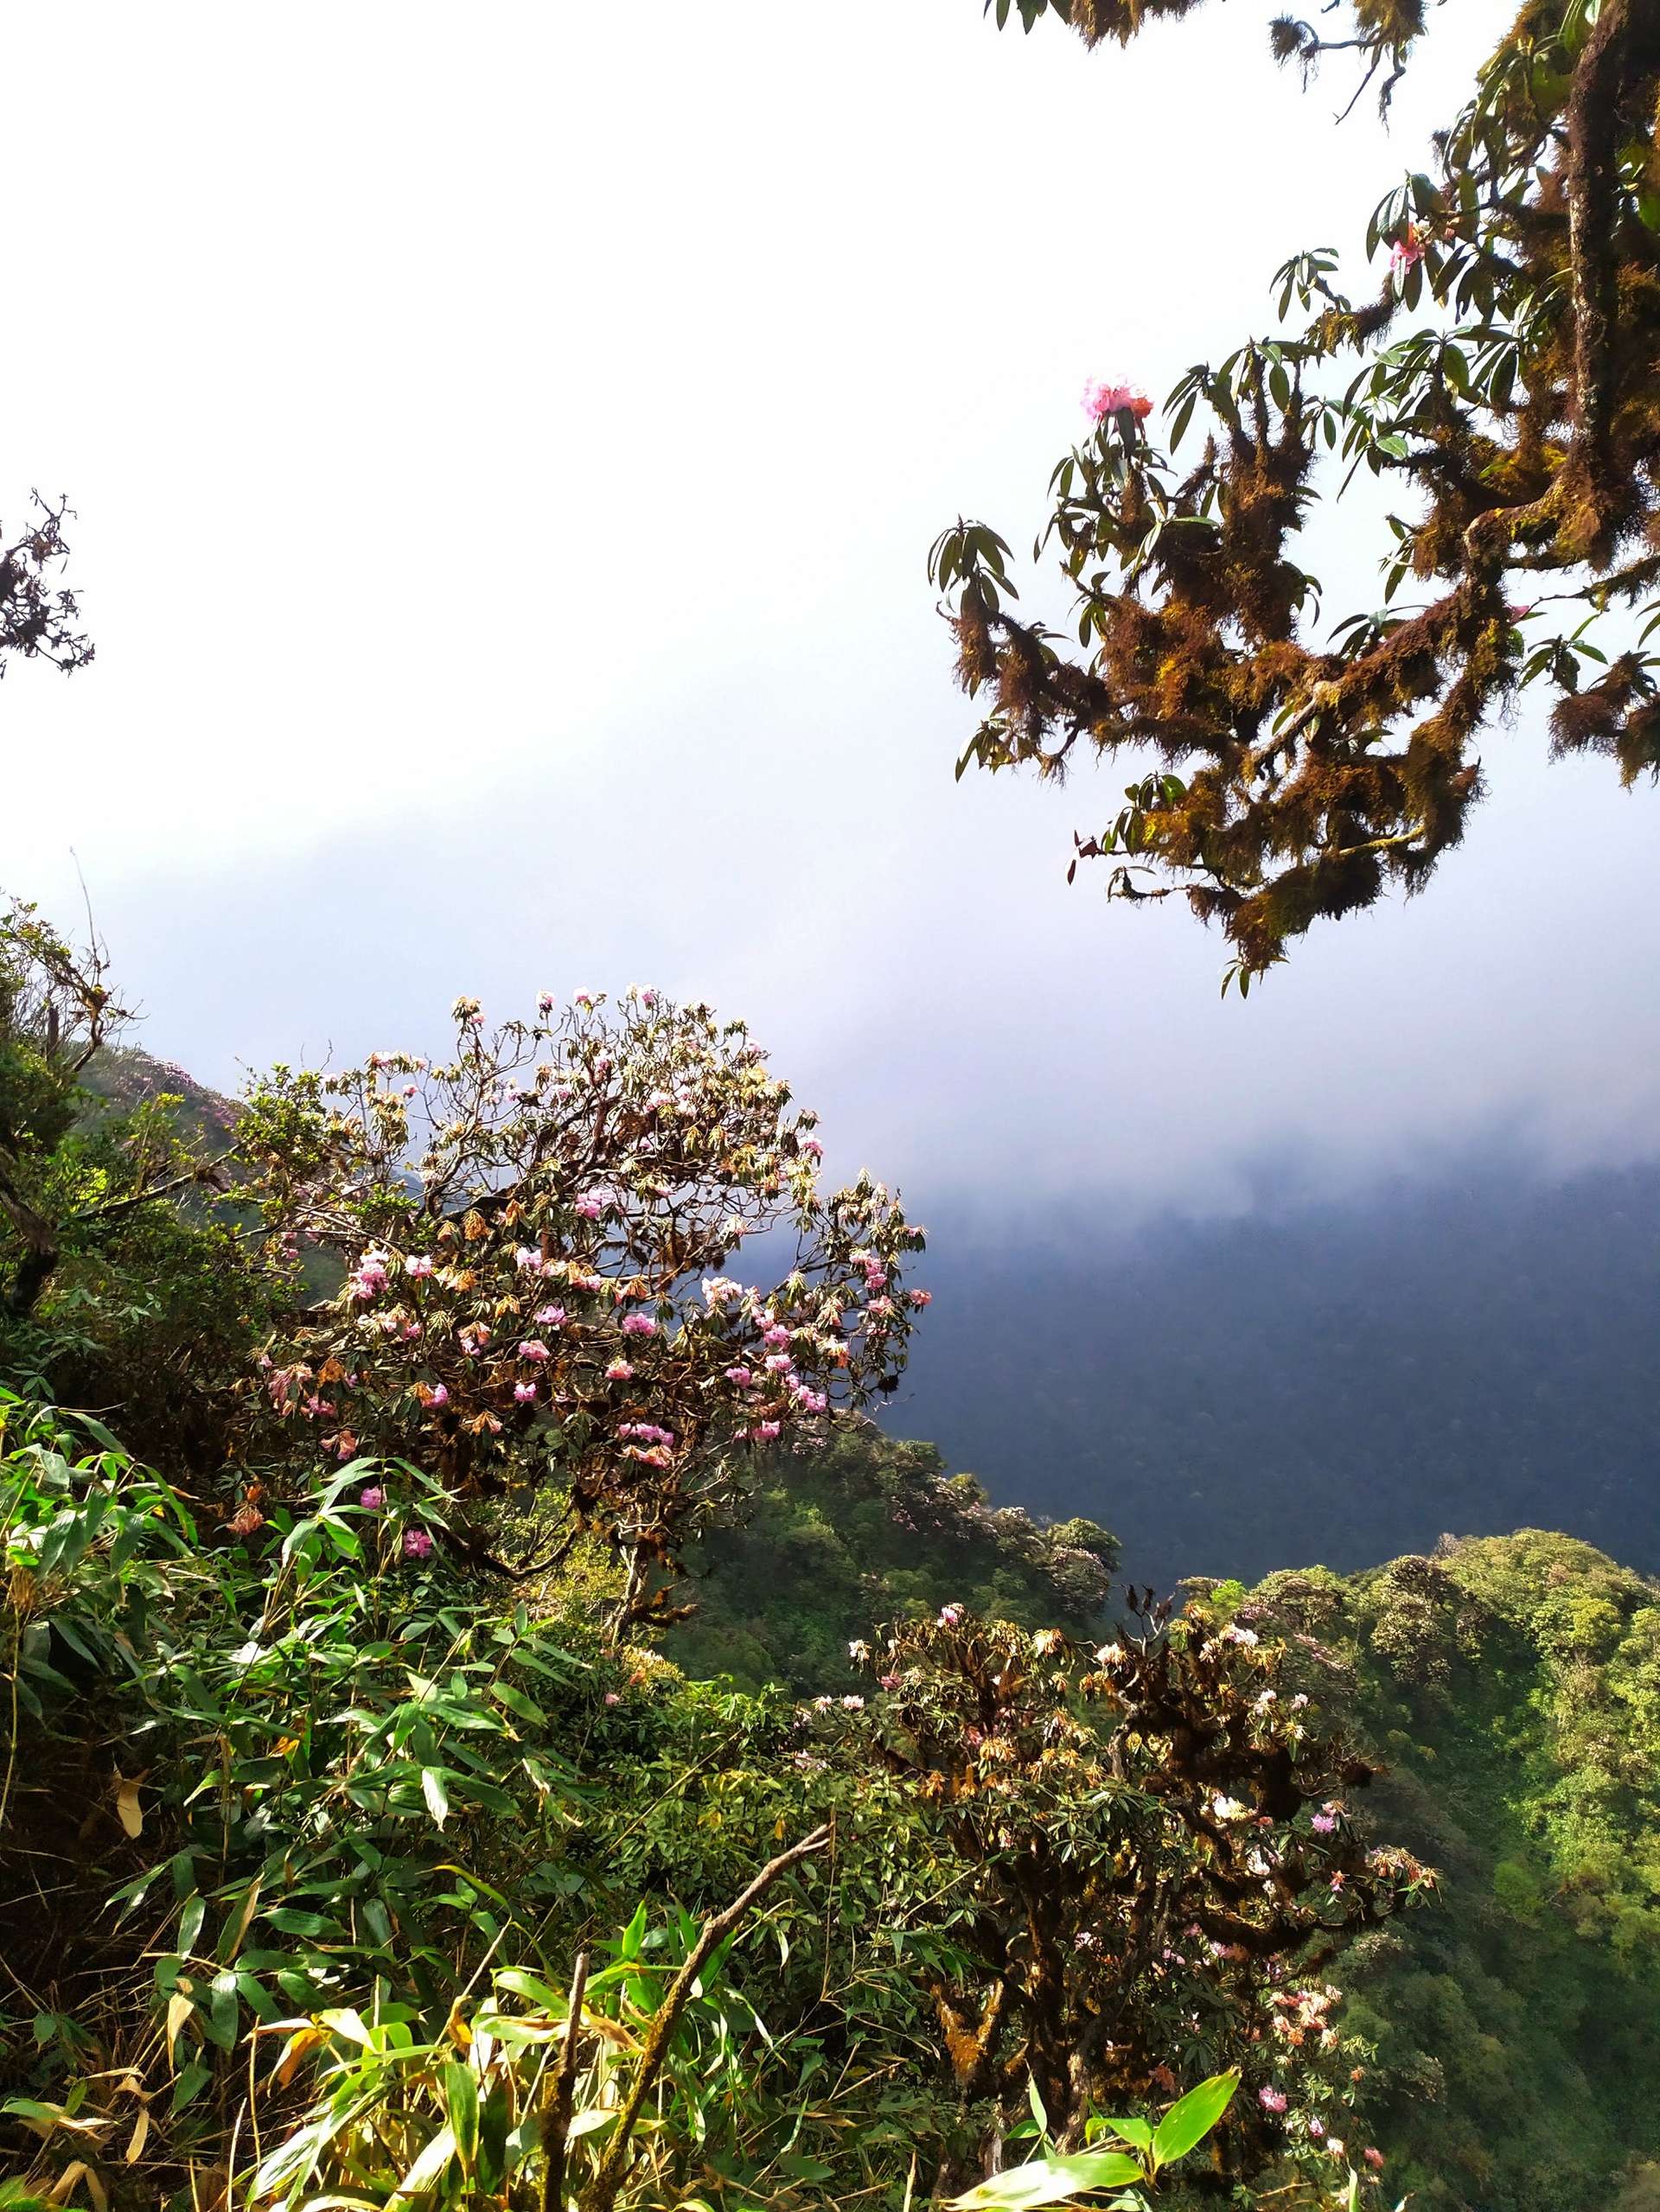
[[1512, 1684]]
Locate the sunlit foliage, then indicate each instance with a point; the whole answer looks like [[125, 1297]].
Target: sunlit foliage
[[1499, 379]]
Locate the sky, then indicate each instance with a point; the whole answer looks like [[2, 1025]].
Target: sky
[[506, 444]]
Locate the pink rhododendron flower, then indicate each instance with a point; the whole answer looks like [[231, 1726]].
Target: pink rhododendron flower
[[419, 1264], [1271, 2100], [549, 1317], [647, 1432], [638, 1324], [438, 1395], [1374, 2157], [417, 1545], [619, 1370], [740, 1378], [590, 1207], [775, 1334], [545, 1002], [372, 1499], [1101, 399], [767, 1430], [524, 1393], [920, 1298], [1407, 251], [812, 1147], [613, 1697], [1322, 1823], [949, 1616], [533, 1349]]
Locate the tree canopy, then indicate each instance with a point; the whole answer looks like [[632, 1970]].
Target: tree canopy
[[1499, 379]]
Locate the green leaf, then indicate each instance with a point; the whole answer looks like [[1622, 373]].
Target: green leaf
[[634, 1935], [1137, 2131], [517, 1702], [1050, 2181], [427, 2168], [437, 1798], [1193, 2117], [191, 2083], [224, 2012], [190, 1923], [460, 2101]]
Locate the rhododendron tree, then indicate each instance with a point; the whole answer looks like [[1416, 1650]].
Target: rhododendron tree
[[1156, 1855], [536, 1237], [1499, 379]]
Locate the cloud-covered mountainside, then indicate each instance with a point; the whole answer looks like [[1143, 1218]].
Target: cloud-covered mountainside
[[1340, 1383]]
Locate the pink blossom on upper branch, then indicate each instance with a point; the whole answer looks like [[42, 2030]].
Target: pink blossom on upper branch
[[1101, 399], [1406, 252]]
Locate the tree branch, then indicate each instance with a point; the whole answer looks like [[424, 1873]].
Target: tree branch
[[601, 2197]]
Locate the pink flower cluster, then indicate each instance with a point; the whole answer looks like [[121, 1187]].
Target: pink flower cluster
[[646, 1432], [1101, 399], [638, 1324], [368, 1279]]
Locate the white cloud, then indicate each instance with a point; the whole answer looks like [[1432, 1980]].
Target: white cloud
[[506, 445]]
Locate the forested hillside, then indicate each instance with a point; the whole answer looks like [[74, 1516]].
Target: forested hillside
[[873, 1529], [1345, 1382], [1512, 1684]]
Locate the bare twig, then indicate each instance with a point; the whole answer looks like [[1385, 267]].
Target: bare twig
[[601, 2197]]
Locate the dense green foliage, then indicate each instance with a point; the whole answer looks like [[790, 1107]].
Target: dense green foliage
[[1513, 1684], [124, 1278], [339, 1745], [869, 1529], [310, 1825]]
